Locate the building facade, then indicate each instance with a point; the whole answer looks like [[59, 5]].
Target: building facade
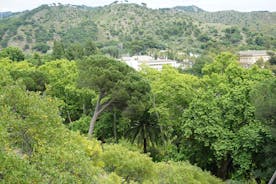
[[250, 57], [137, 62]]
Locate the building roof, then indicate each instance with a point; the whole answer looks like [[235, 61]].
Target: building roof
[[253, 52]]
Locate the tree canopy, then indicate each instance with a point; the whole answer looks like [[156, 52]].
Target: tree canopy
[[114, 82]]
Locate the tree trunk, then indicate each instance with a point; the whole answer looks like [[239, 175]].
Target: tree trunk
[[272, 178], [95, 116], [115, 125], [224, 167], [145, 145], [92, 123], [98, 110], [144, 139], [69, 117], [83, 108]]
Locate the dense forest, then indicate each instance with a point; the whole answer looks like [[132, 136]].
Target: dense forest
[[70, 112], [54, 110]]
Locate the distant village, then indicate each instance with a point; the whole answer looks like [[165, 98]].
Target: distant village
[[246, 59]]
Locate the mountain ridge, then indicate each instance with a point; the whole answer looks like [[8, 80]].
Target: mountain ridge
[[132, 28]]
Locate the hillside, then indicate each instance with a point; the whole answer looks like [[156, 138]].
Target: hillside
[[5, 14], [133, 29], [189, 9], [257, 21]]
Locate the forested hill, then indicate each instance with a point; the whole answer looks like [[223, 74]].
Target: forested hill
[[189, 9], [131, 28], [257, 21], [5, 14]]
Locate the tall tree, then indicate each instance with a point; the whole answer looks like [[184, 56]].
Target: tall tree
[[220, 124], [61, 83], [170, 95], [143, 125], [115, 83], [58, 50], [264, 99]]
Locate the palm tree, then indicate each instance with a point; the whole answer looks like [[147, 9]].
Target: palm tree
[[145, 129]]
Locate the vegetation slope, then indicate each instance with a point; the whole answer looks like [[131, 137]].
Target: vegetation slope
[[133, 29]]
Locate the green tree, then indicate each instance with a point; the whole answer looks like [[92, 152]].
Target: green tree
[[90, 48], [29, 75], [263, 98], [171, 93], [61, 78], [13, 53], [131, 165], [220, 124], [232, 35], [113, 81], [271, 63], [74, 51], [58, 50], [198, 65], [41, 47], [144, 128]]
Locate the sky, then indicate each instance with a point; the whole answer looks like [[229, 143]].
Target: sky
[[209, 5]]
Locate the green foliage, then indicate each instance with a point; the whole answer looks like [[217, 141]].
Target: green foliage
[[232, 35], [131, 165], [223, 121], [36, 148], [115, 82], [41, 47], [39, 142], [264, 99], [5, 78], [137, 29], [73, 51], [42, 35], [101, 74], [171, 94], [81, 124], [62, 77], [58, 50], [145, 129], [271, 64], [13, 169], [172, 172], [220, 63], [198, 65], [13, 53], [33, 79], [220, 123], [86, 29]]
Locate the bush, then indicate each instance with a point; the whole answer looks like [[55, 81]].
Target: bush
[[182, 172], [41, 47], [12, 53], [128, 164]]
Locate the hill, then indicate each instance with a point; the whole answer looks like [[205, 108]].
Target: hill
[[135, 29], [5, 14], [189, 8], [257, 21]]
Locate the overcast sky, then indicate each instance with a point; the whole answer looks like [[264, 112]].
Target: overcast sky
[[209, 5]]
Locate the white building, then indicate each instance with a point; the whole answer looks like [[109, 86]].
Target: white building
[[250, 57], [136, 62]]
